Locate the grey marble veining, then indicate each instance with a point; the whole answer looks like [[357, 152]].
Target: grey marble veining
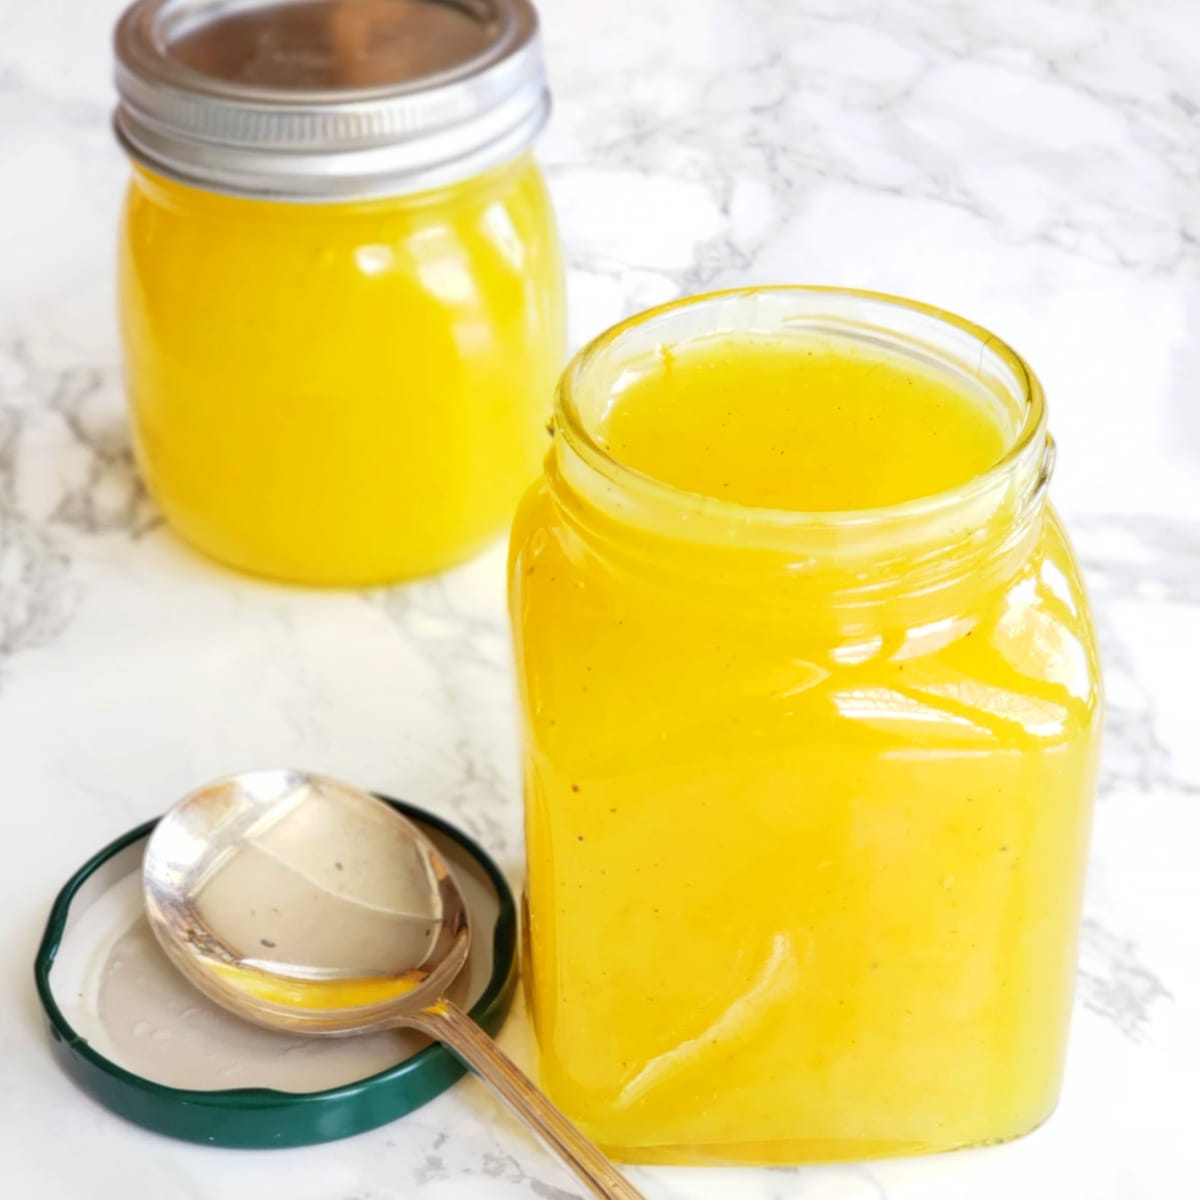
[[1034, 164]]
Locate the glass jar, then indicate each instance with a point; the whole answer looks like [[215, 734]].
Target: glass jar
[[807, 794], [341, 290]]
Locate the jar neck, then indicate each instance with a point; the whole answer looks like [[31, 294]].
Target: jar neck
[[911, 563], [198, 200]]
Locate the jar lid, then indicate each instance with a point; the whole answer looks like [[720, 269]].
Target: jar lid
[[131, 1031], [327, 99]]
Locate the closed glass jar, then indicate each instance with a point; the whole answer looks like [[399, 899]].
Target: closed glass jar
[[808, 793], [341, 291]]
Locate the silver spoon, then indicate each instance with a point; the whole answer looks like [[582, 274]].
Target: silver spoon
[[304, 904]]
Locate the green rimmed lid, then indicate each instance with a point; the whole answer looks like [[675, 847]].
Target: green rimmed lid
[[265, 1117]]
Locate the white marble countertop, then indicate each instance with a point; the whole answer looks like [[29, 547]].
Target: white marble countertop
[[1034, 165]]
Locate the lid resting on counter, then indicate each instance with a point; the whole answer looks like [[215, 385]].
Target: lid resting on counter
[[137, 1036]]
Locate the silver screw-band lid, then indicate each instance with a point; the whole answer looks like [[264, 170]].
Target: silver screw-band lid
[[328, 99]]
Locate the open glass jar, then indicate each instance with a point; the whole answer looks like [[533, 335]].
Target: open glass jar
[[807, 793], [341, 291]]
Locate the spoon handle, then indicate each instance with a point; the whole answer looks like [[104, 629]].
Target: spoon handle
[[448, 1023]]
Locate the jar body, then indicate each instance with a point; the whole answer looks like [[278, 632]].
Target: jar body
[[804, 882], [344, 393]]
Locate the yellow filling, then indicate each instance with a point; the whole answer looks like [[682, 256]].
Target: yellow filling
[[798, 891], [807, 427], [341, 393], [313, 995]]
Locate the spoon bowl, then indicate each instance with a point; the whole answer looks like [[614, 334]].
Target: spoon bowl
[[304, 904]]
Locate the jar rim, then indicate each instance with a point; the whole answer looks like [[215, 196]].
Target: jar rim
[[1030, 443], [277, 107]]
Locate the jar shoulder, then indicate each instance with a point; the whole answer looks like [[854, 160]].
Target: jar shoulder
[[508, 209], [1018, 666], [471, 275]]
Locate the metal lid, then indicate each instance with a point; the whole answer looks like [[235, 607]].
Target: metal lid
[[328, 99]]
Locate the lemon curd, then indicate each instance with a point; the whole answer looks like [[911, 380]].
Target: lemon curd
[[811, 425], [811, 708], [341, 393]]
